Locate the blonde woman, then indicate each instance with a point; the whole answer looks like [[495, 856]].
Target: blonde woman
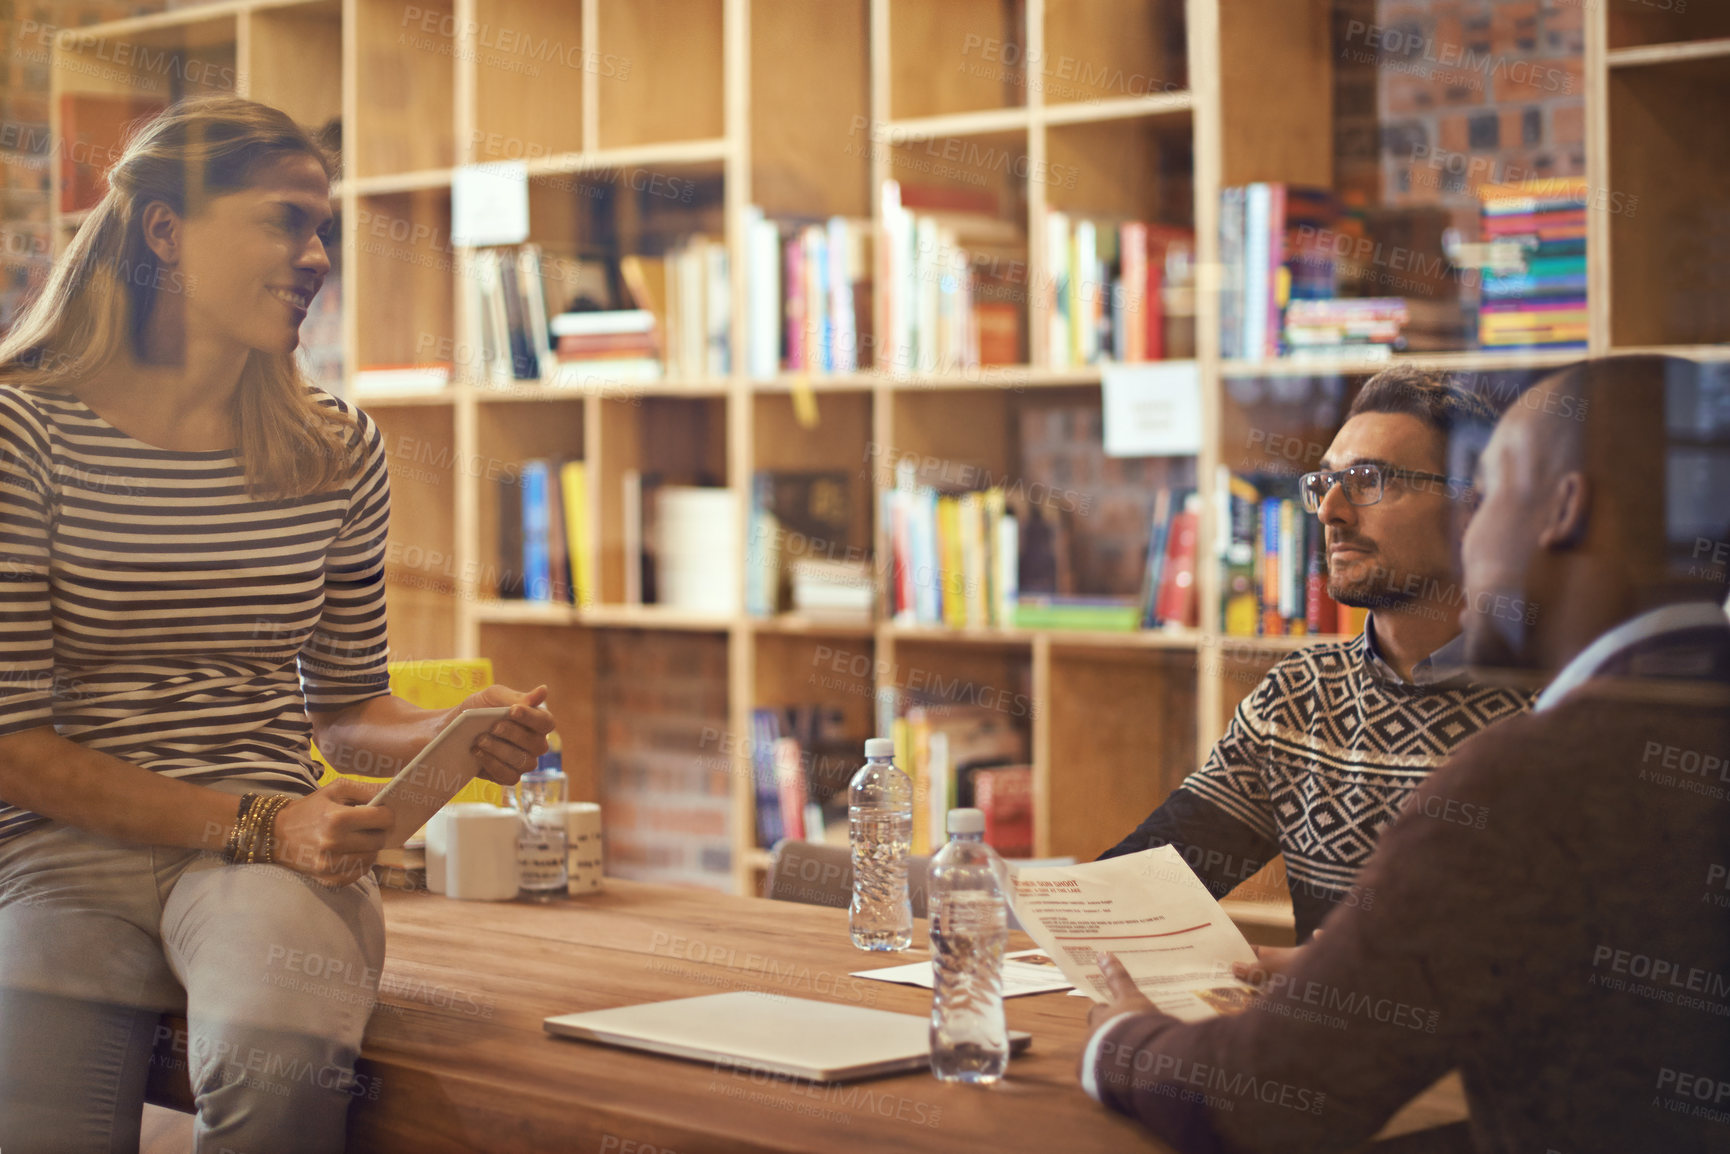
[[191, 587]]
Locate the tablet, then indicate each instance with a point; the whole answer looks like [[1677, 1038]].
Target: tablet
[[436, 774], [774, 1033]]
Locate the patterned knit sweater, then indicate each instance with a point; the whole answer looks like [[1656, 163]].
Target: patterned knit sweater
[[1326, 752]]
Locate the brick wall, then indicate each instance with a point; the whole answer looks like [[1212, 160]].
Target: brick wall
[[1473, 91]]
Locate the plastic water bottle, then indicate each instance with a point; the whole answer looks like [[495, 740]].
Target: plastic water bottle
[[541, 843], [969, 929], [880, 825]]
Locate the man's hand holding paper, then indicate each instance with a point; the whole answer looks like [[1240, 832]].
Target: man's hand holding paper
[[1153, 914]]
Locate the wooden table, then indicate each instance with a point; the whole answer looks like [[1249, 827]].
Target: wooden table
[[457, 1058]]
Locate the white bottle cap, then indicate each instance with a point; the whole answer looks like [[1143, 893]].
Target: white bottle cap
[[966, 821], [879, 747]]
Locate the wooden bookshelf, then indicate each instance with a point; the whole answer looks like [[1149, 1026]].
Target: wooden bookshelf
[[1161, 104]]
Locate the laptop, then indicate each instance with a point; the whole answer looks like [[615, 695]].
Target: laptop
[[753, 1030]]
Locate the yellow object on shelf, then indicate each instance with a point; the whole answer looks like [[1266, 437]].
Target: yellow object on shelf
[[433, 685]]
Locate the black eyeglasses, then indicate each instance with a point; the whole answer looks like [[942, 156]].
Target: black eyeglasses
[[1364, 484]]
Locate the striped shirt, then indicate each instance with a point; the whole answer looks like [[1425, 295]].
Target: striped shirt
[[1326, 752], [152, 610]]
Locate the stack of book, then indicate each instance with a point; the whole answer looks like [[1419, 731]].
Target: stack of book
[[951, 282], [617, 345], [955, 555], [836, 590], [1370, 328], [507, 310], [1168, 589], [545, 546], [1541, 303], [801, 537], [809, 301], [802, 759], [1167, 595], [944, 747], [1273, 563], [696, 548], [1116, 291], [676, 321], [698, 304], [1276, 246]]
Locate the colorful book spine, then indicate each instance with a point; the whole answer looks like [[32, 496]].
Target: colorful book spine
[[537, 555]]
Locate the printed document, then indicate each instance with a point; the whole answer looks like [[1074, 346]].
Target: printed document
[[1024, 972], [1152, 912]]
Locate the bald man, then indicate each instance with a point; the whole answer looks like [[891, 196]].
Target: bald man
[[1553, 911]]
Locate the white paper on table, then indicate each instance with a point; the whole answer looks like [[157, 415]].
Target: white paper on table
[[1152, 912], [1021, 975], [1152, 410], [490, 203]]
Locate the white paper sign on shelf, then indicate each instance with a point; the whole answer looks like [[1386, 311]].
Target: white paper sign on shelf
[[490, 204], [1153, 409]]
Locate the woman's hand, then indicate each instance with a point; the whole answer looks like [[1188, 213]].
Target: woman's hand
[[512, 746], [331, 835]]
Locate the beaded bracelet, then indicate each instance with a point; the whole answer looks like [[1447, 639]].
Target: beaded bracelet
[[253, 840], [263, 843], [231, 850]]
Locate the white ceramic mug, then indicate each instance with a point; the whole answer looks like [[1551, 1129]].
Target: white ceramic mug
[[471, 852]]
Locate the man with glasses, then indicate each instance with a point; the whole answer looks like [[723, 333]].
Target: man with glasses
[[1570, 956], [1332, 743]]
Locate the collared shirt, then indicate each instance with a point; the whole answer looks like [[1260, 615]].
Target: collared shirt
[[1631, 633], [1444, 665]]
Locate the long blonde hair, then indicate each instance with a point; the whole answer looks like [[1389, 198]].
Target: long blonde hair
[[103, 289]]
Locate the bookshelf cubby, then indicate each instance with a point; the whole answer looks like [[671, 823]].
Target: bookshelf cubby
[[1668, 248], [965, 56], [403, 255], [1642, 24], [402, 79], [1101, 109]]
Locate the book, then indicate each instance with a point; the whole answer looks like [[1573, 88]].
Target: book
[[798, 515], [401, 379], [534, 294], [1005, 795], [1118, 614], [1273, 564], [695, 537], [1104, 287], [765, 732], [606, 323], [574, 486], [763, 294], [930, 280], [558, 543], [790, 785], [536, 518], [950, 744], [836, 590], [1176, 602], [602, 345], [509, 547], [1537, 299], [631, 534], [1154, 560]]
